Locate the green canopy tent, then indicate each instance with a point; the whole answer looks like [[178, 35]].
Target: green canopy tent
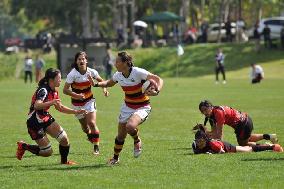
[[162, 17]]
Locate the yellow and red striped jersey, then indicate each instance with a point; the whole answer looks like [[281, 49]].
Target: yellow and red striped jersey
[[132, 87], [80, 84]]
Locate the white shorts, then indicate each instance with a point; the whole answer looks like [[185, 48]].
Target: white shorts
[[126, 113], [89, 107]]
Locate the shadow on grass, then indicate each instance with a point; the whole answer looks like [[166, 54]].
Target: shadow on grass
[[54, 166], [264, 159]]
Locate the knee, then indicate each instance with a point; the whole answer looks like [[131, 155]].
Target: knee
[[46, 151], [62, 138], [130, 127], [92, 124]]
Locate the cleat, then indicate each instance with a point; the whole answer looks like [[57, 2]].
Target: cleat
[[137, 149], [273, 138], [113, 161], [277, 148], [224, 82], [96, 150], [20, 150], [69, 163]]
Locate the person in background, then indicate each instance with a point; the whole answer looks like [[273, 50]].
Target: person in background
[[256, 74], [39, 64], [108, 63], [220, 66], [256, 36], [28, 68], [266, 35]]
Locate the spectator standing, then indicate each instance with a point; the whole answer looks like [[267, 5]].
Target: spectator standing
[[228, 28], [204, 29], [39, 64], [282, 37], [28, 64], [266, 35], [108, 63], [256, 36], [220, 65], [257, 73]]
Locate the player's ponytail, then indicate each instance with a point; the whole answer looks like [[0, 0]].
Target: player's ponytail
[[205, 103], [50, 73], [74, 64], [126, 57]]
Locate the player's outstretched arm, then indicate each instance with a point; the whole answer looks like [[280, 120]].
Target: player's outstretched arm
[[64, 109], [99, 79], [107, 83], [40, 105]]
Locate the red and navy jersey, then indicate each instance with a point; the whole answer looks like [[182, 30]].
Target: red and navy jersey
[[44, 93], [226, 115], [215, 146]]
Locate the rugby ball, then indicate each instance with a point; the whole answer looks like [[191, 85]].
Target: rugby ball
[[149, 85]]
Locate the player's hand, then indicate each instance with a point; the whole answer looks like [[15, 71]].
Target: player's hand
[[106, 93], [151, 92], [80, 96], [56, 102], [82, 111]]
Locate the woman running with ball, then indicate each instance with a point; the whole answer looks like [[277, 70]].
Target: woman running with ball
[[136, 106]]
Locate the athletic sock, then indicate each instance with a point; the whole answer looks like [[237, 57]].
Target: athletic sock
[[31, 148], [258, 148], [135, 136], [94, 137], [117, 148], [266, 136], [64, 151]]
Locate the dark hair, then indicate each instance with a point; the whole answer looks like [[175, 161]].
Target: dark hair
[[74, 65], [126, 57], [50, 73], [205, 103]]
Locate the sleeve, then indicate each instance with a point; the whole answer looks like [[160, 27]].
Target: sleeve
[[41, 94], [142, 73], [94, 73], [56, 95], [70, 78], [215, 146], [219, 117], [115, 77]]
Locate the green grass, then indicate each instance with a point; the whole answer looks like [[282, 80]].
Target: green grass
[[167, 160]]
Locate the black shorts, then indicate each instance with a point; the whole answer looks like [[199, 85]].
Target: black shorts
[[244, 129], [229, 147], [36, 129]]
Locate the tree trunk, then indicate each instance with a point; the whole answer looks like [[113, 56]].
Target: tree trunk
[[221, 17], [96, 26], [85, 18], [184, 12]]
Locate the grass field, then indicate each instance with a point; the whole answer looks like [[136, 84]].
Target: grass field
[[167, 160]]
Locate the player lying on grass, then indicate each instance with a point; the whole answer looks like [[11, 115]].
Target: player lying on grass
[[203, 144], [218, 116], [40, 122], [136, 106]]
